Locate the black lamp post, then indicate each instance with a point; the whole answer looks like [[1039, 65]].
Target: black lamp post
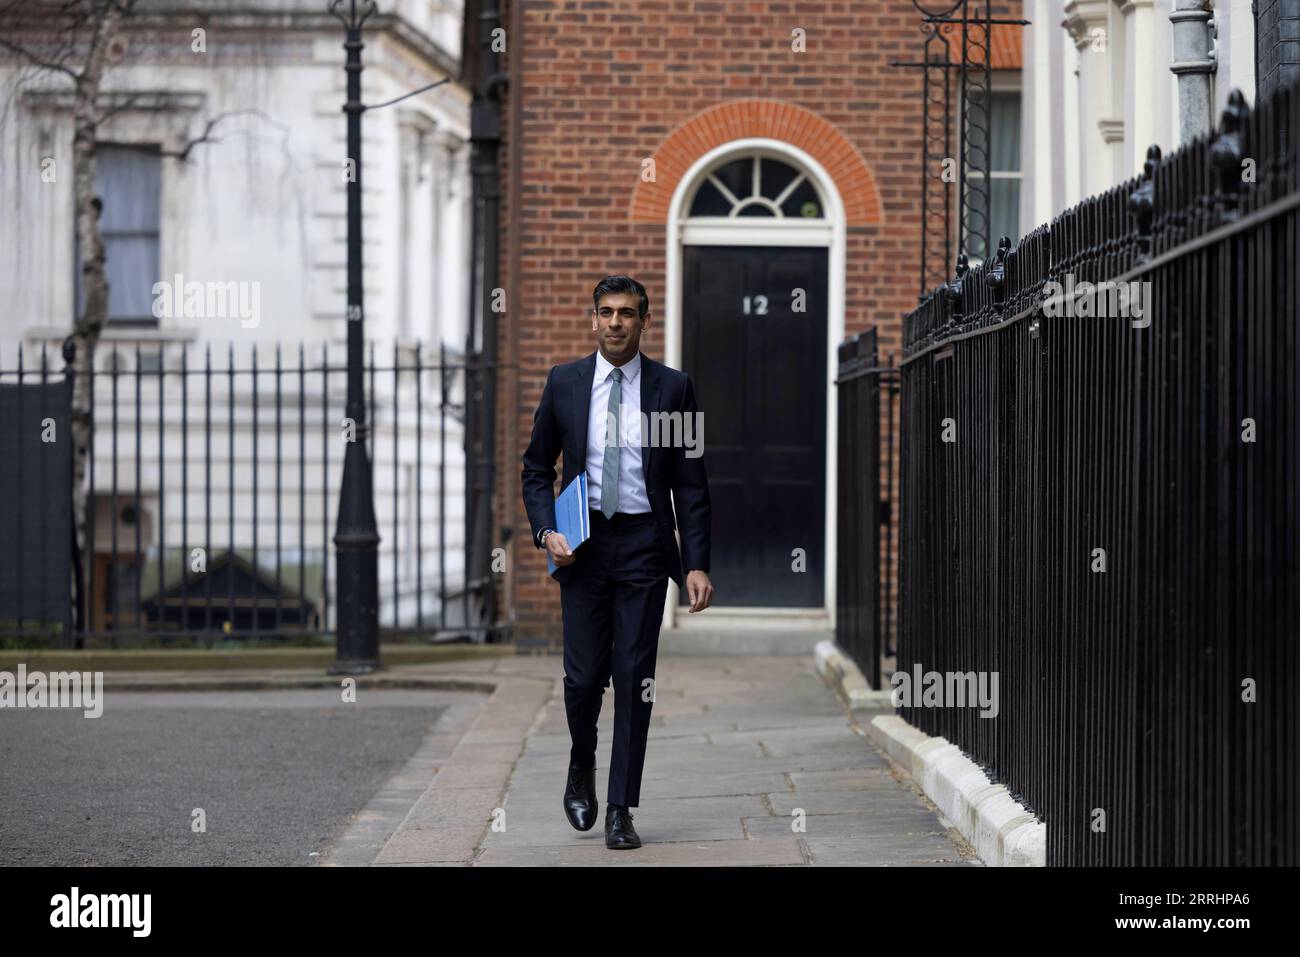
[[356, 537]]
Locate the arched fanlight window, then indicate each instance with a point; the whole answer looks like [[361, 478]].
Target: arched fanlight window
[[757, 186]]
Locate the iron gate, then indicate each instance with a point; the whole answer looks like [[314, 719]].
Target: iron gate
[[864, 618]]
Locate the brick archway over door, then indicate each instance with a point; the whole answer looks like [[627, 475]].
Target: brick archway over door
[[771, 119]]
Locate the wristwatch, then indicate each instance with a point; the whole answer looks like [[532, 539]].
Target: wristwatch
[[541, 536]]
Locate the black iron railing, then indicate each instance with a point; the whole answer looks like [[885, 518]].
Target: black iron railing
[[1099, 498], [865, 606], [213, 481]]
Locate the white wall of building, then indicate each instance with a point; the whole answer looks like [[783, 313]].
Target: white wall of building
[[265, 201], [1099, 91], [263, 205]]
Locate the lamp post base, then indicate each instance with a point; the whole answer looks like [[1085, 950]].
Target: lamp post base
[[354, 666]]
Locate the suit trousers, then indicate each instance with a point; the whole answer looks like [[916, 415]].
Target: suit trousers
[[613, 606]]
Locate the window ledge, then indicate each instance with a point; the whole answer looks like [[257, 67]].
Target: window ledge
[[113, 333]]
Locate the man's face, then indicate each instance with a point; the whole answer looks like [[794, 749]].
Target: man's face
[[617, 326]]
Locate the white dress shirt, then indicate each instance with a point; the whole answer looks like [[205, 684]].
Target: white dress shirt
[[632, 496]]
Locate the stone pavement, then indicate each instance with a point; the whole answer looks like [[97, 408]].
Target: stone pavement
[[751, 761]]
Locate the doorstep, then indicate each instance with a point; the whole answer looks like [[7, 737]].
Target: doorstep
[[748, 631]]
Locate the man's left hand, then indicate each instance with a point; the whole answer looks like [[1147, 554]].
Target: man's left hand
[[699, 590]]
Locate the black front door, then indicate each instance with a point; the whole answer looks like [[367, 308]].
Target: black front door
[[754, 345]]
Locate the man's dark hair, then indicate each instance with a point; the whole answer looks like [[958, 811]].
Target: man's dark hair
[[621, 284]]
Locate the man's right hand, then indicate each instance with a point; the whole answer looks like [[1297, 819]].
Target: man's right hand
[[558, 547]]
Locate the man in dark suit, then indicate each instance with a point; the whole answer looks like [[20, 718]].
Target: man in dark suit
[[612, 588]]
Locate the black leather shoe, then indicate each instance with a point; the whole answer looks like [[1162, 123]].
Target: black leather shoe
[[580, 798], [619, 832]]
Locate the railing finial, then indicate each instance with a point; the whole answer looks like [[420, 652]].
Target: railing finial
[[952, 290], [996, 276], [1142, 203], [1226, 155]]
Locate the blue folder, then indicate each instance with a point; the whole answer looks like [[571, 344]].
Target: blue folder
[[572, 519]]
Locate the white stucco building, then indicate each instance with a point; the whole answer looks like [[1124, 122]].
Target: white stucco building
[[255, 215], [1101, 84]]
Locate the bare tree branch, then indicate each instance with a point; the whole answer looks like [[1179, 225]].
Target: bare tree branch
[[35, 60], [130, 101], [68, 21], [183, 153]]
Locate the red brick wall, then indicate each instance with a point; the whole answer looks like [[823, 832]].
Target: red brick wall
[[596, 88]]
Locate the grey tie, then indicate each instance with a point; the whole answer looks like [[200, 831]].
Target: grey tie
[[609, 468]]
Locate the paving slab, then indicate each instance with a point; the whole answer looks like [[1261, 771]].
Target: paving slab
[[742, 743], [739, 853], [737, 745]]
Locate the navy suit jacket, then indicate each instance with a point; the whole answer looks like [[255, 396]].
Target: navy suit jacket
[[560, 425]]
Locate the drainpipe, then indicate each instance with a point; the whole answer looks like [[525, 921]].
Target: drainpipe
[[482, 341], [1193, 64]]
